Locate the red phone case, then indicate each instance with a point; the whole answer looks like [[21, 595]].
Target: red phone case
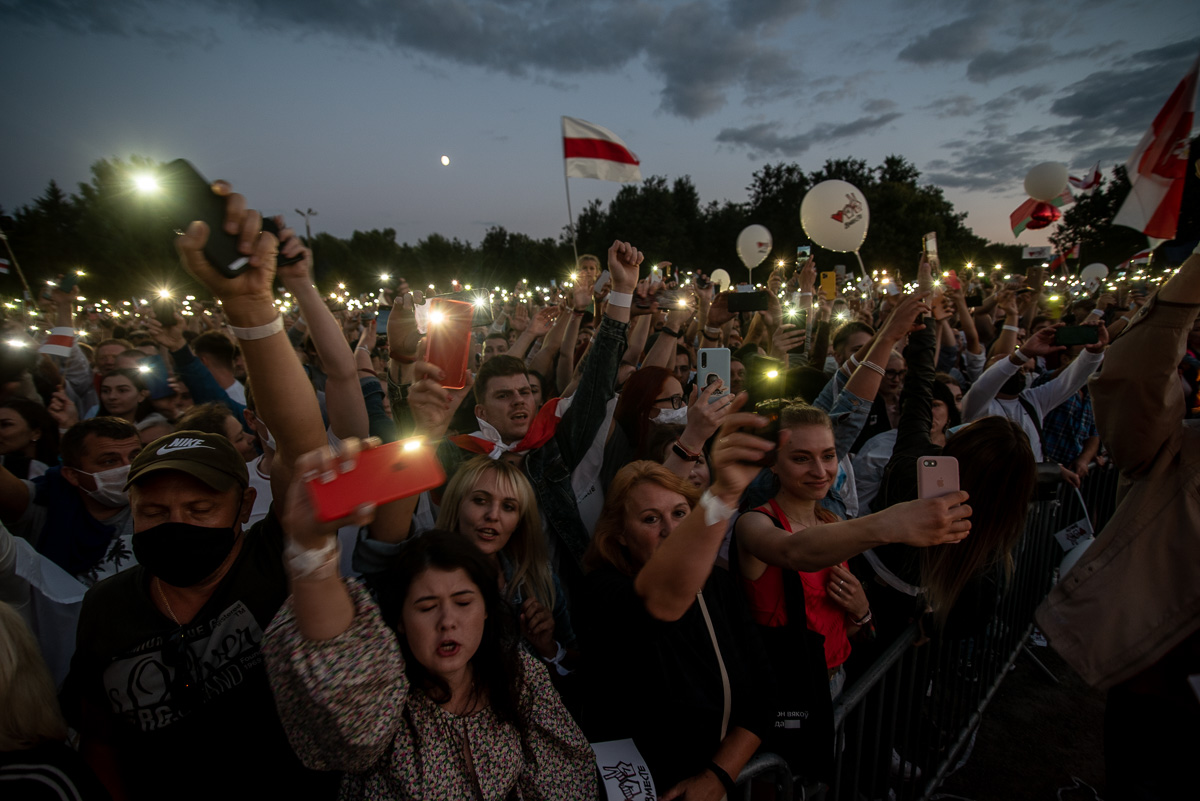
[[450, 339], [952, 281], [382, 475]]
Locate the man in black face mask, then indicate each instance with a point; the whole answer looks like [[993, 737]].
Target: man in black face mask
[[167, 685], [167, 660]]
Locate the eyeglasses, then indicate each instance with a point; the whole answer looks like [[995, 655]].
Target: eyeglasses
[[895, 375], [676, 401]]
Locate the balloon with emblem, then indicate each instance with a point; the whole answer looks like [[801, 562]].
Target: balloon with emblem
[[835, 216], [753, 245]]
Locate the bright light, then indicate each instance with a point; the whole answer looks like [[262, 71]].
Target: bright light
[[1007, 277], [682, 303], [999, 267], [80, 273], [772, 374], [436, 317], [385, 277], [145, 182], [1054, 298], [164, 293], [843, 315], [413, 444], [970, 266], [341, 286], [573, 276], [445, 161], [16, 343], [480, 302], [780, 263], [143, 368]]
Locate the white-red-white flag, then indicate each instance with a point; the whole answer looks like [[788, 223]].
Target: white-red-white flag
[[1090, 181], [1159, 164], [592, 151]]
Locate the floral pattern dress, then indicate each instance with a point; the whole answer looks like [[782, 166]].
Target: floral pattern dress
[[347, 705]]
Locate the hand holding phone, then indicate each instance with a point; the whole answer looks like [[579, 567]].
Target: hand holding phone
[[936, 476], [449, 345], [379, 475]]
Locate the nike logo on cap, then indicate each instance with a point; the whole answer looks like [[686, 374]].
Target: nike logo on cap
[[183, 444]]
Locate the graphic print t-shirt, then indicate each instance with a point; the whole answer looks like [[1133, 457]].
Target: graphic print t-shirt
[[189, 706]]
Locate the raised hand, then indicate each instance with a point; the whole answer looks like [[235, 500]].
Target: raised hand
[[930, 521], [62, 409], [1042, 343], [786, 337], [905, 317], [433, 405], [170, 337], [736, 452], [543, 321], [403, 336], [1102, 342], [623, 263], [299, 518], [704, 415]]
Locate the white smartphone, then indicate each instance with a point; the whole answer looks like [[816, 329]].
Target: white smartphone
[[714, 364], [601, 282], [936, 476]]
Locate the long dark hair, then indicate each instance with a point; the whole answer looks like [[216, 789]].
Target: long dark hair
[[632, 413], [145, 406], [498, 674], [38, 419], [997, 470]]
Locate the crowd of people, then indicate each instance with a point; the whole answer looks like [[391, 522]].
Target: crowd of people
[[626, 546]]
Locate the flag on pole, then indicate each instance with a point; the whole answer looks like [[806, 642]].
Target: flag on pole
[[1021, 216], [1087, 182], [595, 152], [4, 265], [1060, 260], [1141, 257], [1158, 165], [1073, 253]]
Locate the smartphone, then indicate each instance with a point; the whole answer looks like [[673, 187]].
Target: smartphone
[[747, 299], [702, 281], [1077, 335], [67, 283], [803, 254], [929, 245], [381, 475], [951, 280], [189, 197], [449, 343], [601, 282], [481, 305], [271, 227], [765, 383], [163, 310], [829, 284], [365, 317], [713, 364], [974, 301], [381, 319], [154, 372], [936, 476]]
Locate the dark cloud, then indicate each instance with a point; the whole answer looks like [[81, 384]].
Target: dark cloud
[[953, 106], [878, 105], [700, 50], [957, 41], [992, 63], [766, 138], [1100, 118]]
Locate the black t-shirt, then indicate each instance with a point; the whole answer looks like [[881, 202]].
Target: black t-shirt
[[220, 738], [659, 682], [49, 772]]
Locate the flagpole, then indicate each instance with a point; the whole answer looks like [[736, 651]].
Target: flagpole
[[17, 266], [570, 215]]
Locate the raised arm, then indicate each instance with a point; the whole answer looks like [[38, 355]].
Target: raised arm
[[343, 393], [1137, 399], [284, 397], [669, 581]]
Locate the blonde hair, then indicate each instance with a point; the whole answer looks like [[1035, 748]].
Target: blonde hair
[[29, 713], [526, 548], [605, 548]]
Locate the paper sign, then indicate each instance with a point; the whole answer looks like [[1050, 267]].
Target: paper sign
[[1042, 253], [1074, 534], [624, 772]]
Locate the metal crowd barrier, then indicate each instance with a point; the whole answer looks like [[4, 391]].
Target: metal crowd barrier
[[910, 719]]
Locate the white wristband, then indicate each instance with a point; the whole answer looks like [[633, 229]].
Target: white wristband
[[1097, 312], [1012, 328], [712, 332], [311, 564], [1017, 354], [621, 299], [872, 366], [715, 510], [259, 331]]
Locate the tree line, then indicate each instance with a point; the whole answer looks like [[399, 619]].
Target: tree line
[[108, 229]]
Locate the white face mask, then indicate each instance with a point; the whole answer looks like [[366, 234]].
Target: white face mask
[[110, 486], [270, 437], [668, 417]]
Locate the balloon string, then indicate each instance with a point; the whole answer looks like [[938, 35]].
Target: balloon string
[[860, 264]]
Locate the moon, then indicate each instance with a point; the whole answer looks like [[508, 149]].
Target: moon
[[445, 161]]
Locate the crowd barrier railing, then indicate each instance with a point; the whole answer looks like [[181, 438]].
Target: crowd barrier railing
[[910, 719]]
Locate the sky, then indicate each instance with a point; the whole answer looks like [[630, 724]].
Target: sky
[[347, 107]]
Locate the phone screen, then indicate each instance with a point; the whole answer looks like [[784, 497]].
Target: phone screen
[[929, 245]]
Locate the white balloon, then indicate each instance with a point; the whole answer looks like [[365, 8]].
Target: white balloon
[[835, 216], [1092, 275], [753, 245], [721, 279], [1046, 181]]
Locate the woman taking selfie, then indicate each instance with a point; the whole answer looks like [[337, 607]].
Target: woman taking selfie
[[672, 660], [425, 695]]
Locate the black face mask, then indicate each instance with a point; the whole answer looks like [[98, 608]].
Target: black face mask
[[182, 554], [1016, 384]]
